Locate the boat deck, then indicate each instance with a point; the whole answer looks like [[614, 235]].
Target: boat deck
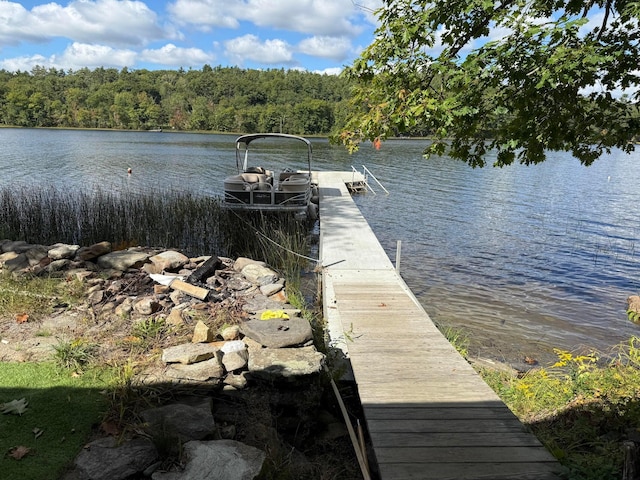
[[429, 415]]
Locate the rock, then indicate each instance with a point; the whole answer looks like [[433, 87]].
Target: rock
[[217, 459], [235, 355], [259, 302], [180, 421], [285, 363], [146, 306], [16, 262], [175, 317], [202, 333], [96, 297], [125, 308], [230, 333], [19, 246], [5, 257], [104, 459], [36, 254], [236, 380], [634, 303], [58, 265], [189, 353], [270, 289], [242, 262], [280, 296], [94, 251], [61, 251], [123, 259], [169, 261], [210, 371], [259, 274], [278, 332]]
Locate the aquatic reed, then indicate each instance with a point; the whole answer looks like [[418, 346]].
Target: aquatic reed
[[196, 224]]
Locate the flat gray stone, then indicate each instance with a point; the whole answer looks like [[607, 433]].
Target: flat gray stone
[[104, 459], [259, 274], [169, 260], [123, 259], [61, 251], [189, 353], [278, 333], [180, 421], [285, 363], [217, 459], [206, 371]]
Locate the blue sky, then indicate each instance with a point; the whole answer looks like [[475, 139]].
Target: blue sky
[[314, 35]]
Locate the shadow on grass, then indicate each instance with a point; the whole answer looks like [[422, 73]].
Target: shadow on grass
[[589, 437], [65, 412], [61, 412]]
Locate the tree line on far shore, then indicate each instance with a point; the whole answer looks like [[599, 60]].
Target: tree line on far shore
[[220, 99]]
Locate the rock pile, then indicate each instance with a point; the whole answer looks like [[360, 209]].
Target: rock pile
[[266, 343]]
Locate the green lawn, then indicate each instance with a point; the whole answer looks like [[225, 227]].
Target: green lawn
[[62, 410]]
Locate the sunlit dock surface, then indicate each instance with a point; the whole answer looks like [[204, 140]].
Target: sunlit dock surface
[[428, 413]]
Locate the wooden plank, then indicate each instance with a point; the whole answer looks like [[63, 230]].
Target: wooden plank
[[428, 413], [438, 412], [469, 471], [453, 439], [495, 425], [466, 454]]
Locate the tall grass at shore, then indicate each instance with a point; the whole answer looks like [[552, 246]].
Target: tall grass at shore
[[195, 224]]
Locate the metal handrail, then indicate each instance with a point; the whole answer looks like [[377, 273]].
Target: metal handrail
[[364, 176], [365, 169]]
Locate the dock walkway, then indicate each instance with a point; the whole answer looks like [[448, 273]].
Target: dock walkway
[[428, 413]]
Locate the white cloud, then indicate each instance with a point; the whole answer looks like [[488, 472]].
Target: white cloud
[[206, 13], [329, 71], [335, 48], [79, 55], [319, 17], [249, 47], [75, 57], [177, 56], [113, 22], [25, 63]]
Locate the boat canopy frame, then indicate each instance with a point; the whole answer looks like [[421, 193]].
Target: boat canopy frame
[[242, 153]]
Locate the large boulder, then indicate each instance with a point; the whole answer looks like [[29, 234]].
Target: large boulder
[[217, 459], [278, 332], [123, 259], [180, 421], [169, 261], [105, 459], [285, 363]]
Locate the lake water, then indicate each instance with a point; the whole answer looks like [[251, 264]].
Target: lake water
[[524, 259]]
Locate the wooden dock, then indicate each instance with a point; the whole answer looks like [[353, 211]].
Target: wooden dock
[[428, 413]]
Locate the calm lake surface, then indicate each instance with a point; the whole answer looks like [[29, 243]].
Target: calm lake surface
[[524, 259]]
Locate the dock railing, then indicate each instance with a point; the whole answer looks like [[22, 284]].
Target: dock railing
[[367, 173]]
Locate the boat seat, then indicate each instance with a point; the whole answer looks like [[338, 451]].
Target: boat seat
[[295, 183], [284, 175], [247, 182]]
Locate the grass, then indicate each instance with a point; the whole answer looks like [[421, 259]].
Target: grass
[[36, 296], [583, 407], [75, 355], [62, 410]]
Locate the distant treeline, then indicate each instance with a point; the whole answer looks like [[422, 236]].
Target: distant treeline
[[217, 99]]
